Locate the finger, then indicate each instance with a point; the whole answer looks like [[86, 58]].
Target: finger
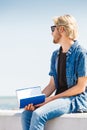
[[25, 107], [29, 105], [32, 107]]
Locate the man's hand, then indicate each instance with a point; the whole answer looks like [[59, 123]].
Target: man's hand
[[30, 107]]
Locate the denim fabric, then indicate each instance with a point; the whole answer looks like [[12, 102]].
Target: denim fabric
[[76, 66], [36, 120]]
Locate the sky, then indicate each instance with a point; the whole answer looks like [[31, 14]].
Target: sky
[[26, 42]]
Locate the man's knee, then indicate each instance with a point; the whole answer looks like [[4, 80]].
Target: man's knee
[[38, 115]]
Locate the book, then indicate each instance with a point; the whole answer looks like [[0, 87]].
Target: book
[[31, 95]]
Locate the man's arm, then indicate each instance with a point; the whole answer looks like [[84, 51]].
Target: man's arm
[[50, 88], [75, 90]]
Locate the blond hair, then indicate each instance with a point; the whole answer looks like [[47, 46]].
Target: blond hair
[[70, 25]]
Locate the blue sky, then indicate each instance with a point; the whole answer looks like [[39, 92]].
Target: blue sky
[[26, 42]]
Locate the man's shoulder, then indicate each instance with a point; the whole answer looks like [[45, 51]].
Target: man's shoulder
[[81, 50], [56, 52]]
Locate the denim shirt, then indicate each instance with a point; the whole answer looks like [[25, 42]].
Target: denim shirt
[[76, 66]]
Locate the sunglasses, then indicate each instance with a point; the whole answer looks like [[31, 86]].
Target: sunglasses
[[53, 28]]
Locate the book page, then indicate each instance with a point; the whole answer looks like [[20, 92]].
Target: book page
[[28, 92]]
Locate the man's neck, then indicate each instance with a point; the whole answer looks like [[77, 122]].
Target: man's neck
[[66, 44]]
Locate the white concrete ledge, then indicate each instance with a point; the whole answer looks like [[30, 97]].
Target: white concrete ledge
[[10, 120], [68, 122]]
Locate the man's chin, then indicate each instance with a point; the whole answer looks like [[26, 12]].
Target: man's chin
[[55, 42]]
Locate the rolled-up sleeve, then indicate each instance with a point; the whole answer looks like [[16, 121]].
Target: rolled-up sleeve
[[52, 65], [82, 65]]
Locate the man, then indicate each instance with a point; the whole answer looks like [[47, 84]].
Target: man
[[68, 77]]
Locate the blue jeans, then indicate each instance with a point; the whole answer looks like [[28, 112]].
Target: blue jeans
[[35, 120]]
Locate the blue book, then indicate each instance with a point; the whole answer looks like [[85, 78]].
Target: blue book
[[30, 95], [34, 100]]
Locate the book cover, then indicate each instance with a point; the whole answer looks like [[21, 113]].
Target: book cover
[[34, 100], [29, 95]]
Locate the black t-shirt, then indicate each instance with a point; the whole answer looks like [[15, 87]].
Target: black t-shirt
[[62, 83]]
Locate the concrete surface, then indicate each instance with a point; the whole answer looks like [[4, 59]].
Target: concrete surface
[[10, 120]]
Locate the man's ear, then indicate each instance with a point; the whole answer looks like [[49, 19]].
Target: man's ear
[[61, 29]]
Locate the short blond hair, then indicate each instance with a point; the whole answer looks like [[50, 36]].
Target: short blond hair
[[70, 25]]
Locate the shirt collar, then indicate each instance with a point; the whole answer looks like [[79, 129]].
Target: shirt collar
[[71, 48]]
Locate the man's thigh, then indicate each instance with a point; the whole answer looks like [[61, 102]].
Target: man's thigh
[[54, 108]]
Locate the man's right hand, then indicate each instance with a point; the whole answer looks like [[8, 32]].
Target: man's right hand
[[30, 107]]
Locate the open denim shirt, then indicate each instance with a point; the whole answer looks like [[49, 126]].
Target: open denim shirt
[[76, 66]]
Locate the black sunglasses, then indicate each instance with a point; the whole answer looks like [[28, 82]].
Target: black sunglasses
[[53, 28]]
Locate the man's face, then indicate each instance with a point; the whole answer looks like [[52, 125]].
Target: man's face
[[56, 35]]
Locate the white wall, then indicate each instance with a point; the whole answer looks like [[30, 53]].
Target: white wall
[[10, 120]]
